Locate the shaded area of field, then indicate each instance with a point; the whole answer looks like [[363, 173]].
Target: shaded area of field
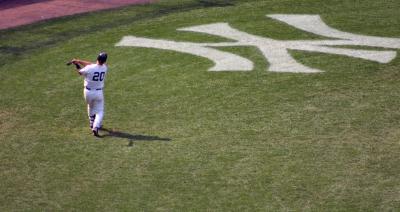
[[45, 40], [16, 13], [8, 4]]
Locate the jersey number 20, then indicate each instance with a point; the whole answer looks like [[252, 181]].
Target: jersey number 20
[[98, 76]]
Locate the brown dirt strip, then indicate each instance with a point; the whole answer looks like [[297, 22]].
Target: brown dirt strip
[[15, 13]]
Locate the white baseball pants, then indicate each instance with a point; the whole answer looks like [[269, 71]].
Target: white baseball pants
[[95, 105]]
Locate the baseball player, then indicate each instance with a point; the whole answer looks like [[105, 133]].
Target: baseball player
[[94, 74]]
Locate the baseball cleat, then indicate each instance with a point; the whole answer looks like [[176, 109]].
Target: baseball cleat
[[95, 132]]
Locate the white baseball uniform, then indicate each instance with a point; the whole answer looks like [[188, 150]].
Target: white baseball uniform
[[94, 75]]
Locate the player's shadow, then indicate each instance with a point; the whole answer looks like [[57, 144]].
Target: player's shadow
[[130, 137]]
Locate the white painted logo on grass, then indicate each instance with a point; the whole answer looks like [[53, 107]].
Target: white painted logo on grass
[[275, 51]]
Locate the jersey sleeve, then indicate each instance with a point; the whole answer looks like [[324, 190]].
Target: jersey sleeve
[[84, 71]]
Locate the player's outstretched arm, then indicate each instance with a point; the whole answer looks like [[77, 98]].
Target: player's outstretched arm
[[81, 62], [78, 64]]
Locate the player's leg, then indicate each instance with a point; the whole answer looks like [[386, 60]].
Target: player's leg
[[91, 114], [90, 105], [98, 107], [99, 111]]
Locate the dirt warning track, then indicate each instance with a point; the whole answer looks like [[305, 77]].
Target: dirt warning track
[[16, 13]]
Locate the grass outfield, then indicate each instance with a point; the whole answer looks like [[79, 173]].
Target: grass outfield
[[186, 139]]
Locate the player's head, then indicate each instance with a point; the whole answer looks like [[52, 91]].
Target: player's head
[[102, 58]]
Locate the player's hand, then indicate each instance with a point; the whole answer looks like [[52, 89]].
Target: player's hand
[[75, 61]]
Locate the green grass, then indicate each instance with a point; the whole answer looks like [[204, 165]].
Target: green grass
[[193, 140]]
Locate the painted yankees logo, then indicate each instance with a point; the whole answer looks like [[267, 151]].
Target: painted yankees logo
[[275, 51]]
